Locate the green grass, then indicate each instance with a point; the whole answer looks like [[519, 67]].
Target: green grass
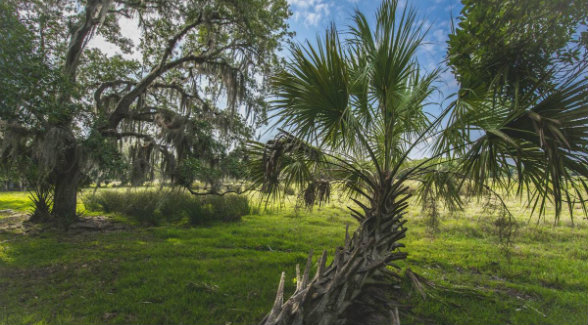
[[17, 201], [228, 272]]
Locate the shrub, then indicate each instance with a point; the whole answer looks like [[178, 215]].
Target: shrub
[[106, 201], [152, 207], [226, 208]]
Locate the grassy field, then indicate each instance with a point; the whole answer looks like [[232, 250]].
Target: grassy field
[[227, 273]]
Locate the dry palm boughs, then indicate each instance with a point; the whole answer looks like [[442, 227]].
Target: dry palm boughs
[[354, 288], [317, 191]]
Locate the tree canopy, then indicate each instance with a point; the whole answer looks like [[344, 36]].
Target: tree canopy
[[516, 44], [182, 111], [521, 109]]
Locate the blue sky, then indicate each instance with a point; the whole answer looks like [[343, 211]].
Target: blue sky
[[312, 17]]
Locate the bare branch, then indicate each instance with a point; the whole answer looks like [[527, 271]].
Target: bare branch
[[120, 135], [238, 191], [109, 84], [95, 10]]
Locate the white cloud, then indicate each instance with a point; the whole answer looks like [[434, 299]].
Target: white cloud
[[129, 28], [449, 81], [440, 36], [311, 12], [428, 47]]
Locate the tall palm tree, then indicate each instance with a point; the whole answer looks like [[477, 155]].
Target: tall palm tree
[[353, 110]]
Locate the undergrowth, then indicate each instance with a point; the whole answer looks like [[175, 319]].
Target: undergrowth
[[152, 207]]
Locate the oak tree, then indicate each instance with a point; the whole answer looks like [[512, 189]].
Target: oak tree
[[185, 106]]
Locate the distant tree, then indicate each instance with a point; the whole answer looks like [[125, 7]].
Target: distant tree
[[509, 56], [72, 112], [513, 45]]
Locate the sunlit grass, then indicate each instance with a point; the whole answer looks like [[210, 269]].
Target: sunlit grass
[[18, 201], [228, 272]]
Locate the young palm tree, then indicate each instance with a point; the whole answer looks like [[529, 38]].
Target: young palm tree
[[353, 110]]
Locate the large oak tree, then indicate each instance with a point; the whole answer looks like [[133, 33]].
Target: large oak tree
[[186, 104], [514, 45]]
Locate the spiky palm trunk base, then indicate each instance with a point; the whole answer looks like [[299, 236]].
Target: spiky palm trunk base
[[354, 288]]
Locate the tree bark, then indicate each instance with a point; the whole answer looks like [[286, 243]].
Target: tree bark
[[65, 197], [67, 178], [355, 288], [67, 173]]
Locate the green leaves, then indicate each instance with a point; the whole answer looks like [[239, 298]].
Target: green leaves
[[358, 102], [283, 163], [313, 92], [501, 43], [537, 141]]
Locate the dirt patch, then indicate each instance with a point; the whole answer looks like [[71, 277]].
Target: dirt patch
[[14, 222], [18, 223], [97, 223]]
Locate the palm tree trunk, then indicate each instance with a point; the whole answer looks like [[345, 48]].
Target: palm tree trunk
[[354, 288]]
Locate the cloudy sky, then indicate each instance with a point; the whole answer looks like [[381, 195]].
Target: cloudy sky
[[311, 17]]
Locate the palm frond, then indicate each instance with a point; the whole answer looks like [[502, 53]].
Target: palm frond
[[538, 140], [313, 93], [285, 162]]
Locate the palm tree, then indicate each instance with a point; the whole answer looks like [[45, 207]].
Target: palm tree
[[354, 109]]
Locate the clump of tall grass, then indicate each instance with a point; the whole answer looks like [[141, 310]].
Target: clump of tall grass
[[151, 207]]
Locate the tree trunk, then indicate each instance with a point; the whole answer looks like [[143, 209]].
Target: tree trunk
[[67, 178], [355, 288], [65, 197]]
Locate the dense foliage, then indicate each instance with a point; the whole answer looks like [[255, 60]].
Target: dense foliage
[[516, 44], [150, 207], [521, 111], [183, 111]]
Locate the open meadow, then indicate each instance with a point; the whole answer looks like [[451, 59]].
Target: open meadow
[[294, 162], [227, 273]]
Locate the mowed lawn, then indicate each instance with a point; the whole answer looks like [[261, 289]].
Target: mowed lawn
[[228, 272]]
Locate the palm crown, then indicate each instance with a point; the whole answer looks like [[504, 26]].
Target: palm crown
[[352, 106], [352, 111]]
